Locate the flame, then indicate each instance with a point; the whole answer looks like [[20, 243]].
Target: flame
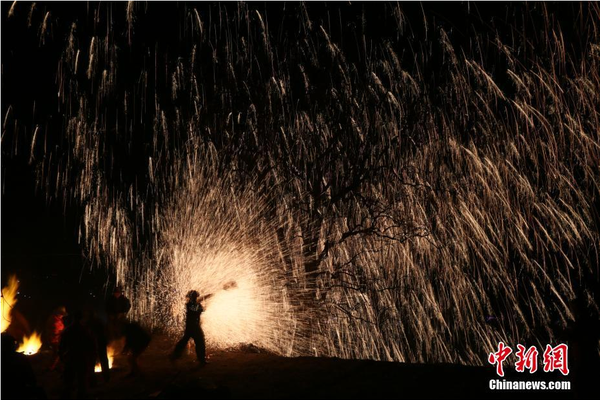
[[9, 294], [31, 344], [110, 351]]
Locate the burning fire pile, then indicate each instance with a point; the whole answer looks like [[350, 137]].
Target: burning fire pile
[[9, 294], [32, 343], [110, 352]]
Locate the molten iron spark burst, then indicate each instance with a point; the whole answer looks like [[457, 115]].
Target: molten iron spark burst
[[366, 205], [208, 245]]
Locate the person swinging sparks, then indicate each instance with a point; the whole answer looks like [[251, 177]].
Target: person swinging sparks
[[193, 329]]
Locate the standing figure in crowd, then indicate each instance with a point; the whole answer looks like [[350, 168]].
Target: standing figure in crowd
[[136, 341], [78, 354], [117, 307], [97, 329], [54, 328]]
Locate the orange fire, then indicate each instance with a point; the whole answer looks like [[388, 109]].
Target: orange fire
[[31, 344], [9, 295], [110, 351]]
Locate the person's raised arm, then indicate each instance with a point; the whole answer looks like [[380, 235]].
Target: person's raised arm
[[227, 286], [205, 297]]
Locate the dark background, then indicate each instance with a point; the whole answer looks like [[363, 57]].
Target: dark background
[[40, 235]]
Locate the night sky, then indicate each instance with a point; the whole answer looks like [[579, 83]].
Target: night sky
[[40, 232], [39, 238]]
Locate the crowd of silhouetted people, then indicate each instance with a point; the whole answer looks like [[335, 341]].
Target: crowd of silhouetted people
[[77, 342]]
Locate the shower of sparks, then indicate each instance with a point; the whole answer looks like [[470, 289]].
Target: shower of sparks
[[366, 204], [227, 250]]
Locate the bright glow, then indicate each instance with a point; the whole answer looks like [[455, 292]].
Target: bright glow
[[392, 208], [242, 314], [31, 344], [110, 351], [9, 294], [212, 249]]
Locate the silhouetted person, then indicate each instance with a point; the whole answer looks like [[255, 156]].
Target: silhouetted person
[[97, 329], [78, 354], [117, 307], [18, 379], [193, 330], [136, 342], [54, 328]]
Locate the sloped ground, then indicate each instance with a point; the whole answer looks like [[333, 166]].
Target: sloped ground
[[249, 374]]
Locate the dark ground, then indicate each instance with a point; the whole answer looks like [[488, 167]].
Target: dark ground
[[250, 374]]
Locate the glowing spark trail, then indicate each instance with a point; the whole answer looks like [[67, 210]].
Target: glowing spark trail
[[375, 193], [210, 244]]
